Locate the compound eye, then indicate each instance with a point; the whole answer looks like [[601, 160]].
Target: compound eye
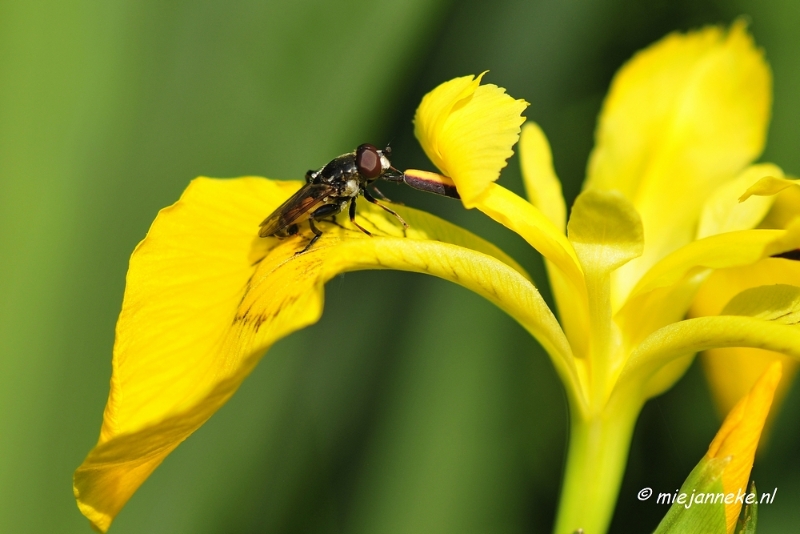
[[368, 161]]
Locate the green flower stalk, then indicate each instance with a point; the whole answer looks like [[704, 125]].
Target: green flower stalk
[[206, 297]]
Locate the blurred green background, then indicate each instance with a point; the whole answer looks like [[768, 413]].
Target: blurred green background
[[441, 415]]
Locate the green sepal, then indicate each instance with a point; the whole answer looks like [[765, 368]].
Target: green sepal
[[705, 479], [746, 524]]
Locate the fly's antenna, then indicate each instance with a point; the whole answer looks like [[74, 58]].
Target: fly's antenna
[[388, 149]]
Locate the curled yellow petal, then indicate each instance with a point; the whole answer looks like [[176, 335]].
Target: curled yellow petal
[[785, 209], [725, 209], [605, 230], [206, 297], [467, 130], [738, 438], [684, 338], [682, 117], [768, 186], [522, 217]]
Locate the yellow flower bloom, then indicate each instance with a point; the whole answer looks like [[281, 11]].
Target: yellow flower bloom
[[206, 297], [738, 438], [659, 214]]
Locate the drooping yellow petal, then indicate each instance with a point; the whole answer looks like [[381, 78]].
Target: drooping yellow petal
[[738, 438], [206, 297], [541, 183], [725, 209], [467, 130], [522, 217], [682, 117]]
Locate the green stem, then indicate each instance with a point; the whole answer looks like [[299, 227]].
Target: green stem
[[598, 450]]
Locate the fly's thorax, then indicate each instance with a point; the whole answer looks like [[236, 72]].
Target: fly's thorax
[[339, 170]]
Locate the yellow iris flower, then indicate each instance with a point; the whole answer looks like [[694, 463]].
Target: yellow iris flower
[[206, 297]]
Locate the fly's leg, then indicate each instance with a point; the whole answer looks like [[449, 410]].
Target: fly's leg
[[353, 217], [328, 210], [371, 199], [317, 235]]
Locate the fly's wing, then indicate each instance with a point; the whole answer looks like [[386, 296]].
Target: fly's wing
[[296, 209]]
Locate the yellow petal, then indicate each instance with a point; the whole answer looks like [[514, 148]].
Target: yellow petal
[[684, 338], [785, 209], [731, 372], [720, 251], [606, 232], [768, 186], [206, 297], [779, 303], [467, 130], [738, 438], [522, 217], [544, 192], [666, 292], [682, 117], [541, 183], [725, 209]]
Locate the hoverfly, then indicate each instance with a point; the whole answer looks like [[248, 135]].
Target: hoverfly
[[328, 191]]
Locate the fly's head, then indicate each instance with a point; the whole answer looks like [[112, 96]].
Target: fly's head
[[372, 163]]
